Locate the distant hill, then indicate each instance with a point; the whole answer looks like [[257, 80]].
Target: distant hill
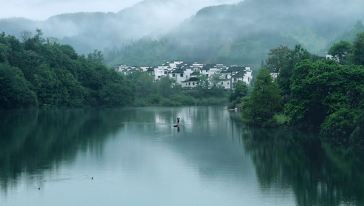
[[154, 31], [244, 33], [351, 34], [96, 30]]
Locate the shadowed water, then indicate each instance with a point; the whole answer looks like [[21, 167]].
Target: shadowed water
[[136, 157]]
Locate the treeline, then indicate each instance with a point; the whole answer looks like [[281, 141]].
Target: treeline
[[312, 93], [38, 72], [41, 72], [166, 92]]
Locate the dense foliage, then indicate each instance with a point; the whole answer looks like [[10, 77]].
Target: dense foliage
[[41, 72], [320, 94], [260, 107], [240, 91], [166, 92]]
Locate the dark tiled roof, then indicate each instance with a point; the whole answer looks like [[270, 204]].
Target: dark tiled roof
[[239, 74], [178, 71], [192, 79]]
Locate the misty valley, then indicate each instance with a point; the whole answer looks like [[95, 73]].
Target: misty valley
[[182, 102]]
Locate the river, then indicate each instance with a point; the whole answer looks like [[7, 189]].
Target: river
[[135, 157]]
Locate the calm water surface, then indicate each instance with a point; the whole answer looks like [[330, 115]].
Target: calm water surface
[[135, 157]]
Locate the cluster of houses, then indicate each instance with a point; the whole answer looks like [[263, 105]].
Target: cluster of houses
[[193, 75]]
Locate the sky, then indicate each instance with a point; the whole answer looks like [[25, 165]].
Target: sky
[[42, 9]]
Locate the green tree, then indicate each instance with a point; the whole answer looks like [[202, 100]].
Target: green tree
[[278, 59], [96, 57], [342, 50], [240, 91], [358, 134], [320, 88], [282, 60], [15, 90], [264, 102], [358, 50], [338, 127], [284, 78]]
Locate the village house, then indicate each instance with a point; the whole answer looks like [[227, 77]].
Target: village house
[[191, 75], [192, 82]]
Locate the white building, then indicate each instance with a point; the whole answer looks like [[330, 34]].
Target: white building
[[178, 75], [175, 64], [274, 76], [190, 75], [192, 82], [159, 73], [248, 77]]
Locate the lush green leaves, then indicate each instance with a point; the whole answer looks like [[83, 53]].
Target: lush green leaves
[[166, 92], [42, 71], [322, 95], [358, 50], [15, 89], [342, 51], [264, 102], [240, 91]]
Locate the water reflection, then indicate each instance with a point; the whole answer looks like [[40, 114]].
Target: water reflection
[[32, 141], [289, 160], [137, 157]]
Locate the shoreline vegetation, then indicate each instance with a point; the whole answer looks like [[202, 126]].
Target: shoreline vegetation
[[38, 72], [293, 89], [323, 95]]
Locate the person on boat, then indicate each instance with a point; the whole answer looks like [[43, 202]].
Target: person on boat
[[177, 124]]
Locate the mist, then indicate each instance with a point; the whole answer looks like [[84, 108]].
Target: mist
[[210, 31], [243, 33], [124, 22]]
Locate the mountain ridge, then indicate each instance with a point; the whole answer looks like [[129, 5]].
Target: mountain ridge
[[244, 33]]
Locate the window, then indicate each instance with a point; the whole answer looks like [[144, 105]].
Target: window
[[181, 75]]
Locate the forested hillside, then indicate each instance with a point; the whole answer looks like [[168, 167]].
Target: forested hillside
[[244, 33], [87, 31], [40, 72]]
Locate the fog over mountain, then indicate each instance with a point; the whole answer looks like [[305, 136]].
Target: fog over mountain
[[153, 31], [244, 33], [98, 30]]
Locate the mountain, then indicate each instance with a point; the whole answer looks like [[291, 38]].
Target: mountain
[[98, 30], [245, 32], [351, 34]]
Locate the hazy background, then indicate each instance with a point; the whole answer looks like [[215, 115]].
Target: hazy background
[[42, 9], [149, 32]]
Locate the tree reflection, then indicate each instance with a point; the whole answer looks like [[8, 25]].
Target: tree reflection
[[285, 159], [34, 140]]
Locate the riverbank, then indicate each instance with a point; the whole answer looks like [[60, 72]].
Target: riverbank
[[301, 90]]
